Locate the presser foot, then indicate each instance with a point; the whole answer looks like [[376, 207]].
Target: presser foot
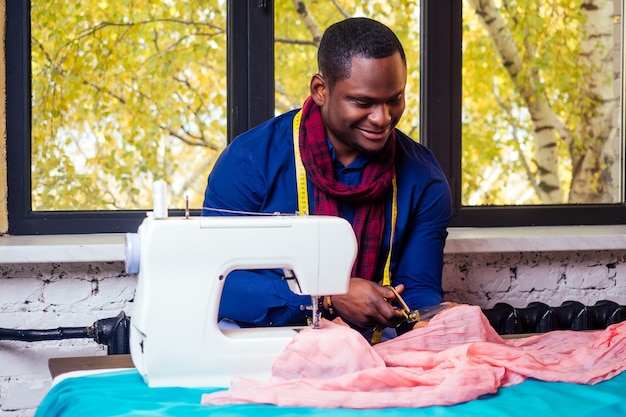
[[316, 302]]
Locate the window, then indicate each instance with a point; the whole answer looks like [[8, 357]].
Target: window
[[123, 95], [241, 34], [542, 106]]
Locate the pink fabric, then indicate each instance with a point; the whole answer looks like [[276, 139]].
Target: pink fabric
[[457, 357]]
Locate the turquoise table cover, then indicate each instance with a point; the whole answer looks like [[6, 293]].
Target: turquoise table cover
[[123, 393]]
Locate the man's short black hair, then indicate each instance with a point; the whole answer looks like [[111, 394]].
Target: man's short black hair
[[359, 37]]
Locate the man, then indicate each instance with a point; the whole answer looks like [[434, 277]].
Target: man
[[358, 166]]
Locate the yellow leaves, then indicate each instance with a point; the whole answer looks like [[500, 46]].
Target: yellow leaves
[[497, 114], [127, 91], [113, 82]]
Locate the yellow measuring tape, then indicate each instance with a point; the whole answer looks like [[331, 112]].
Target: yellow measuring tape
[[303, 193], [303, 206], [378, 331]]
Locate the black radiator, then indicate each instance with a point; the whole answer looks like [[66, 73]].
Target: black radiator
[[505, 319], [540, 318]]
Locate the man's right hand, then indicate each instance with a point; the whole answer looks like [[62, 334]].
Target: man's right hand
[[365, 305]]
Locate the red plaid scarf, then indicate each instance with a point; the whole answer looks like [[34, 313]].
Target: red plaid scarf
[[369, 218]]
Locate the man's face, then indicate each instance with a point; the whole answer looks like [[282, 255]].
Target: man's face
[[361, 111]]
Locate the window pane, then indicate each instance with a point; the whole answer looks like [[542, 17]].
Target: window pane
[[297, 38], [124, 93], [542, 103]]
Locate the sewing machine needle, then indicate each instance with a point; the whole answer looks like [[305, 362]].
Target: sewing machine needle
[[316, 312]]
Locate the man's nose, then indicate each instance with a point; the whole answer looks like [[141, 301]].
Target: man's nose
[[380, 115]]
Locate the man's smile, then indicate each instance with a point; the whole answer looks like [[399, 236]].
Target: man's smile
[[375, 135]]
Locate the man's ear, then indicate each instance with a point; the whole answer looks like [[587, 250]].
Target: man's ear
[[318, 89]]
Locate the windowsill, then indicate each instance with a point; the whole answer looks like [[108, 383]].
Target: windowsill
[[62, 248], [110, 247], [535, 239]]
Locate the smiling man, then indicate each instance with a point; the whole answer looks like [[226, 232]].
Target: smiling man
[[357, 166]]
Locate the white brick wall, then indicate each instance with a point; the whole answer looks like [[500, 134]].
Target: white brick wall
[[47, 296], [521, 278]]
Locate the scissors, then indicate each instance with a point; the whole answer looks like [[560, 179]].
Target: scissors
[[419, 314], [410, 316]]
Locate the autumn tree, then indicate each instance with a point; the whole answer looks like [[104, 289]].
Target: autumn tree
[[541, 102], [128, 92], [124, 93]]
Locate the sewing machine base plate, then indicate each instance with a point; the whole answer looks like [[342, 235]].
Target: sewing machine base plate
[[58, 366]]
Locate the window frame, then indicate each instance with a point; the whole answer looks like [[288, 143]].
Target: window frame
[[250, 28]]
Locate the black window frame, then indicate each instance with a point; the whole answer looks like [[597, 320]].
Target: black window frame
[[251, 101]]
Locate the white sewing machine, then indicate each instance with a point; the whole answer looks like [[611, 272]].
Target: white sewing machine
[[182, 263]]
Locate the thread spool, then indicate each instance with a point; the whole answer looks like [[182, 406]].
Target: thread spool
[[159, 199]]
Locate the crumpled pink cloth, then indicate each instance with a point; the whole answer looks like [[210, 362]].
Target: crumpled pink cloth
[[457, 357]]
